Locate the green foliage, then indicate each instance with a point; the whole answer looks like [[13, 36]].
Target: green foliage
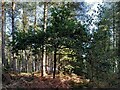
[[83, 50]]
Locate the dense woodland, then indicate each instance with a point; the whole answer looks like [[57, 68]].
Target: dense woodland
[[60, 44]]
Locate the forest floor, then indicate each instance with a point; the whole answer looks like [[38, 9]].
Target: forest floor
[[27, 80]]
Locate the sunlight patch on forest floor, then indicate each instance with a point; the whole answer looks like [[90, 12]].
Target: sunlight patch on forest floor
[[27, 80]]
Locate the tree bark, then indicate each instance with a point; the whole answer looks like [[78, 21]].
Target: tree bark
[[13, 36], [42, 63], [59, 63], [119, 48], [35, 18], [4, 62], [26, 62], [44, 46], [55, 60], [119, 55], [113, 27]]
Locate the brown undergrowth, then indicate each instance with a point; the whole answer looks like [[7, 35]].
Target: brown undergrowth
[[27, 80]]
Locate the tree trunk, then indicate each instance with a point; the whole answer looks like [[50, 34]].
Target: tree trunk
[[119, 61], [36, 62], [46, 63], [44, 46], [19, 63], [23, 62], [119, 51], [59, 63], [55, 60], [119, 55], [4, 61], [51, 62], [42, 63], [26, 62], [35, 18], [113, 27], [13, 31]]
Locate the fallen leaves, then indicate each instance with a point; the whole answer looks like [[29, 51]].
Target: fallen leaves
[[35, 81]]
